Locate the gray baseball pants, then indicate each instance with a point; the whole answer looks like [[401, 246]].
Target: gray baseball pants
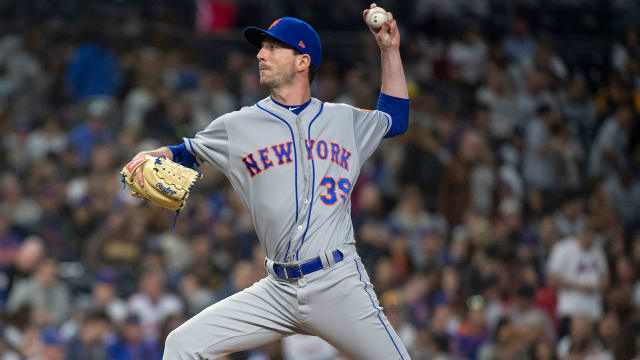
[[336, 303]]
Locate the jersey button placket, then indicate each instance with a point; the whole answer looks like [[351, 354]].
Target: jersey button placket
[[304, 165], [305, 170]]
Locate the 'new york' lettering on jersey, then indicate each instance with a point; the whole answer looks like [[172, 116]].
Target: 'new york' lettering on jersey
[[339, 155], [294, 173]]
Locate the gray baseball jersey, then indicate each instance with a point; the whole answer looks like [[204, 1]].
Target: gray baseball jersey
[[295, 174]]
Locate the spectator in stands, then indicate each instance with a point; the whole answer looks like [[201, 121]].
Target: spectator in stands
[[570, 218], [49, 138], [105, 296], [92, 69], [23, 263], [625, 55], [541, 155], [170, 118], [607, 220], [132, 344], [547, 61], [45, 292], [242, 276], [196, 296], [509, 343], [211, 100], [93, 340], [581, 342], [153, 303], [87, 135], [578, 269], [533, 322], [498, 94], [469, 53], [622, 189], [455, 186], [613, 337], [117, 242], [611, 142], [579, 108], [23, 210], [520, 45], [472, 331], [620, 298], [411, 218]]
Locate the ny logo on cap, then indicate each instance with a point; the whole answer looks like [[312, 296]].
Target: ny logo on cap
[[274, 24], [301, 44]]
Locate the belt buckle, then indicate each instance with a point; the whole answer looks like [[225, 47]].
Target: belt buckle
[[294, 277]]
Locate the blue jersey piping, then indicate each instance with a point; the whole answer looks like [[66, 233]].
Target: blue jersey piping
[[387, 129], [295, 163], [313, 182]]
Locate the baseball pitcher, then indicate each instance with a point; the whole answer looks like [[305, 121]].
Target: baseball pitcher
[[293, 160]]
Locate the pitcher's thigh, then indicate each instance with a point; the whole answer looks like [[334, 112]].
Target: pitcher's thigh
[[250, 318], [347, 315]]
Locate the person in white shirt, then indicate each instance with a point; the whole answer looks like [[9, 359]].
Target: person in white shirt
[[153, 303], [577, 268]]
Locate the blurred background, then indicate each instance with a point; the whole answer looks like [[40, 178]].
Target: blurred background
[[505, 224]]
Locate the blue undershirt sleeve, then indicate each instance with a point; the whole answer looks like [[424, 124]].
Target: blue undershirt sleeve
[[183, 157], [398, 108]]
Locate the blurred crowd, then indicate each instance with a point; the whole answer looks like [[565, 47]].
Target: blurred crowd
[[505, 224]]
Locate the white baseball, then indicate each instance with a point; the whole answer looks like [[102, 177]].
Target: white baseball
[[376, 17]]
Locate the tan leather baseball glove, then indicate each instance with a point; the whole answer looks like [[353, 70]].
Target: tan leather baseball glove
[[166, 183]]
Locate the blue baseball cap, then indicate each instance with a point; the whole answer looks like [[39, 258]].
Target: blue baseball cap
[[291, 31]]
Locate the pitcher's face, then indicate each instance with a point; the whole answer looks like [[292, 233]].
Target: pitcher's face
[[276, 63]]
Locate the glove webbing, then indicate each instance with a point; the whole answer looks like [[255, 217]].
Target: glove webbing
[[175, 218]]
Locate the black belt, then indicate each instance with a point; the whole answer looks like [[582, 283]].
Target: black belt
[[299, 270]]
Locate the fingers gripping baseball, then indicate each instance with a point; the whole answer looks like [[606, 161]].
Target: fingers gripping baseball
[[387, 36]]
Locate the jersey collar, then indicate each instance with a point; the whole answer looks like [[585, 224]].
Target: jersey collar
[[296, 109], [313, 105]]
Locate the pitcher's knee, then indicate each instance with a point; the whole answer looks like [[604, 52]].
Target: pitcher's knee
[[177, 345], [173, 340]]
